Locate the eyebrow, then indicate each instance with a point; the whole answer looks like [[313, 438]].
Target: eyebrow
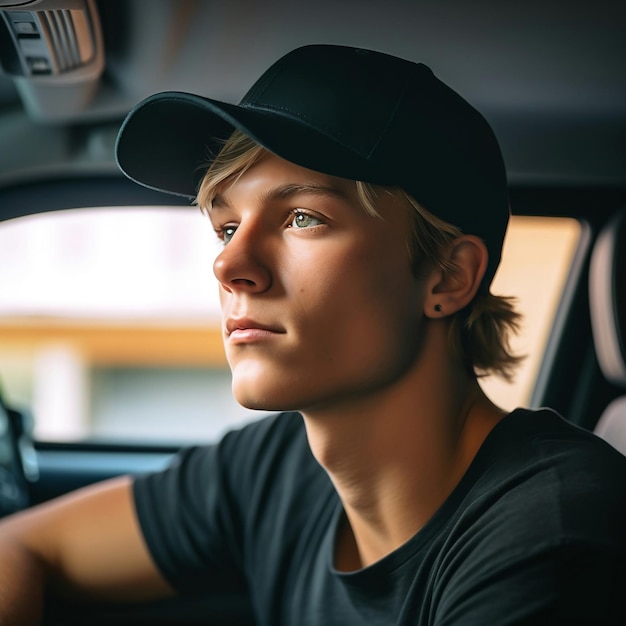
[[282, 192], [291, 189]]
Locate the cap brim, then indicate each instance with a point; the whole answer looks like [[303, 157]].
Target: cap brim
[[168, 141]]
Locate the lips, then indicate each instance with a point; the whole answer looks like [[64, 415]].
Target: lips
[[244, 330]]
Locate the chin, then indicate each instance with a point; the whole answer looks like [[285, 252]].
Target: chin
[[261, 402], [254, 395], [260, 386]]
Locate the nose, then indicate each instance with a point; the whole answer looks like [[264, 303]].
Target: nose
[[241, 265]]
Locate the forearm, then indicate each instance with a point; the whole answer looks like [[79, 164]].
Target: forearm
[[85, 546], [22, 584]]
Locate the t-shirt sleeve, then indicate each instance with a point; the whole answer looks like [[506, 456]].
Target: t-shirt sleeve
[[202, 516], [191, 522]]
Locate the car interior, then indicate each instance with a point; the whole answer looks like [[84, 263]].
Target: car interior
[[550, 79]]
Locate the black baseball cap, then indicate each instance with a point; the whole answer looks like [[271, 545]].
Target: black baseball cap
[[343, 111]]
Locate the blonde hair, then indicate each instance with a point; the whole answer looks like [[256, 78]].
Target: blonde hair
[[479, 334]]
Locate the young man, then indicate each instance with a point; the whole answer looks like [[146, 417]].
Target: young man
[[362, 205]]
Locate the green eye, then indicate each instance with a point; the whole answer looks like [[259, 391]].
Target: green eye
[[227, 233], [305, 220]]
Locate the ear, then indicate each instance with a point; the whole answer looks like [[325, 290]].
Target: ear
[[448, 291]]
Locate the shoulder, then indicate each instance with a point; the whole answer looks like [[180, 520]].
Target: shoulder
[[236, 464], [545, 441], [267, 434], [552, 481], [540, 517], [244, 456], [271, 448]]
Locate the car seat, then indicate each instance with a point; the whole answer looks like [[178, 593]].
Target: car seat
[[607, 298]]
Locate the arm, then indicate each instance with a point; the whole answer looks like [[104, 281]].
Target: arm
[[85, 545]]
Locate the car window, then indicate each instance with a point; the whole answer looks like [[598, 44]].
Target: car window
[[537, 258], [109, 320]]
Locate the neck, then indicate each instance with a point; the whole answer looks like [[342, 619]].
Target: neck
[[396, 455]]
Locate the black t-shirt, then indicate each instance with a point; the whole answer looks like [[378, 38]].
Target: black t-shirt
[[534, 533]]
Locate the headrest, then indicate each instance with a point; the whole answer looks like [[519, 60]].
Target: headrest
[[607, 298]]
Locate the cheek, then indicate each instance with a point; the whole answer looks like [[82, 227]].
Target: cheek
[[359, 291], [389, 296], [383, 271]]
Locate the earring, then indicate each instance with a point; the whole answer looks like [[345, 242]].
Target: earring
[[438, 308]]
